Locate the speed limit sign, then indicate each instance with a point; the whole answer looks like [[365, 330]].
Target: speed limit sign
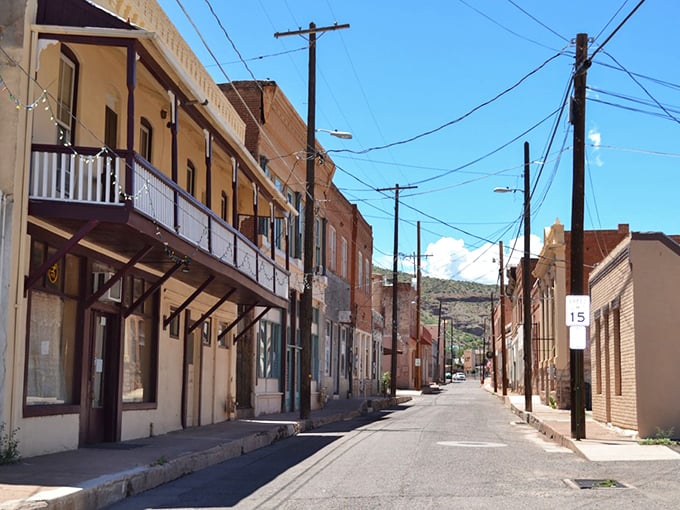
[[578, 311]]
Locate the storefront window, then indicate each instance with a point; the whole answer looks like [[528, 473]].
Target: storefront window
[[269, 349], [52, 338], [139, 354], [51, 350]]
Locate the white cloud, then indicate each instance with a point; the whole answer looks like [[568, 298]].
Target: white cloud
[[451, 260], [514, 250], [595, 138]]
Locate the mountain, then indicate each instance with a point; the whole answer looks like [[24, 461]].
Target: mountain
[[466, 305]]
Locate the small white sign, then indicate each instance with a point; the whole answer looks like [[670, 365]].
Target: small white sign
[[577, 337], [578, 311], [417, 362]]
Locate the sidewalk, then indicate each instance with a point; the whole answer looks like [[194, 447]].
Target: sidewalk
[[602, 443], [91, 478]]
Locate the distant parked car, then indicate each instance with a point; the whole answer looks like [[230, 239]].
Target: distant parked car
[[459, 376]]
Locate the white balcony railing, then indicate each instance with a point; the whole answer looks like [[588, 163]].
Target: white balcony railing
[[95, 179]]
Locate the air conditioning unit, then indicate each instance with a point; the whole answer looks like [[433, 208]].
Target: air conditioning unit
[[114, 294]]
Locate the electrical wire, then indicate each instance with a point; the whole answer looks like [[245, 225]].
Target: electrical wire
[[610, 20], [456, 120], [635, 80], [609, 37], [497, 23], [260, 57], [497, 149], [540, 22]]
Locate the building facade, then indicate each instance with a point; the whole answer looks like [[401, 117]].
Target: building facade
[[406, 343], [551, 336], [633, 349], [134, 270]]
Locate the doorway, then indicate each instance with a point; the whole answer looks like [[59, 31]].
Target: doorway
[[292, 391], [102, 379], [191, 384]]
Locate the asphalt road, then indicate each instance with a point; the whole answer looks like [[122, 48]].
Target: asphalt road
[[459, 449]]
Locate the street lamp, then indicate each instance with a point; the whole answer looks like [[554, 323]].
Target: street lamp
[[345, 135], [526, 279]]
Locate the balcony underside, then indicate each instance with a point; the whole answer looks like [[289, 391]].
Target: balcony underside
[[126, 232]]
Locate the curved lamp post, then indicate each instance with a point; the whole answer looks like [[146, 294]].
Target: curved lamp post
[[526, 279], [345, 135]]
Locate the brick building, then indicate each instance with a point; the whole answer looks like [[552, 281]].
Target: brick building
[[633, 348], [348, 247], [406, 344]]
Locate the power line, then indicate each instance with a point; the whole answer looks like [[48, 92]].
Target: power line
[[539, 22], [601, 46], [610, 20], [260, 57], [497, 149], [642, 86], [497, 23], [458, 119]]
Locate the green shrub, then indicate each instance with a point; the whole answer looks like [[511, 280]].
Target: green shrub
[[385, 385], [661, 437], [9, 446]]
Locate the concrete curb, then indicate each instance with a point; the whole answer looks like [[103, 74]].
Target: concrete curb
[[540, 426], [106, 490], [545, 429]]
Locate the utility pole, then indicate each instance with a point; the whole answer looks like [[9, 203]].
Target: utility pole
[[395, 308], [451, 350], [493, 348], [306, 304], [419, 361], [418, 368], [526, 284], [501, 301], [578, 119]]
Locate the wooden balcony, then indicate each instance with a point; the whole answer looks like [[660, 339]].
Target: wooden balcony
[[137, 206]]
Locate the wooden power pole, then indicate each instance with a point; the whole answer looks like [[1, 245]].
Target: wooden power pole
[[306, 304], [578, 120]]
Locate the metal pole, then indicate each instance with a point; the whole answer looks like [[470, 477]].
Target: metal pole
[[526, 284], [501, 301]]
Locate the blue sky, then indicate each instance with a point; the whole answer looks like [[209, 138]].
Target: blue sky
[[405, 69]]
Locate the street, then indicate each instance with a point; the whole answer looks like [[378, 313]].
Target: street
[[460, 448]]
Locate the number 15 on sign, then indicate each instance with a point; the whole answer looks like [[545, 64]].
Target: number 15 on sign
[[578, 311]]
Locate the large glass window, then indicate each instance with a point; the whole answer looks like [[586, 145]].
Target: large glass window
[[139, 357], [53, 347], [51, 350], [269, 349]]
